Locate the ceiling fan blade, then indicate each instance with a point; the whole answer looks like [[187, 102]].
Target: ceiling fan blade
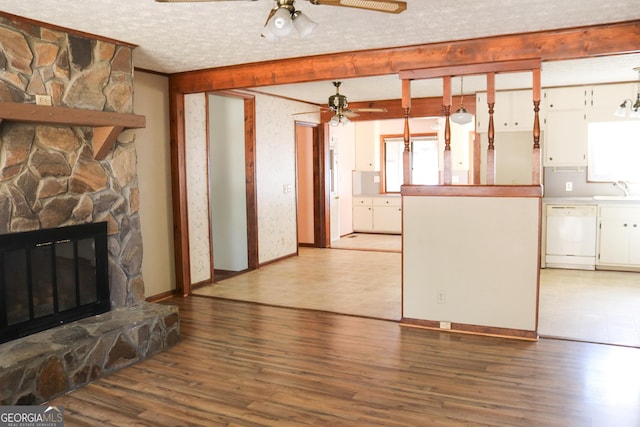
[[350, 114], [194, 1], [369, 110], [307, 112], [388, 6]]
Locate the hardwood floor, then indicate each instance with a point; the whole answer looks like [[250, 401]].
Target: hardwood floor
[[595, 306], [246, 364]]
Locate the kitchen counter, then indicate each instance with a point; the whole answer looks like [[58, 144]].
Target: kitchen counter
[[588, 200]]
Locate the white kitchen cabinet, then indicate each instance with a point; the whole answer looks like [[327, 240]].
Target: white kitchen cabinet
[[363, 214], [513, 111], [619, 236], [565, 138], [602, 100], [565, 98], [366, 146], [565, 126], [379, 214], [387, 214]]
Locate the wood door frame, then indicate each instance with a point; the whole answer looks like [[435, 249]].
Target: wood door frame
[[321, 185], [250, 176], [181, 227]]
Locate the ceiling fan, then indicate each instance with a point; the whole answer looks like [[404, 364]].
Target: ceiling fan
[[284, 17], [339, 105]]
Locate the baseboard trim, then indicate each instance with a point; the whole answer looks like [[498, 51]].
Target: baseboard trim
[[278, 259], [161, 297], [463, 328]]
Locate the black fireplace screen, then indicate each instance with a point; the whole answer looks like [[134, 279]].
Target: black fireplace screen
[[52, 276]]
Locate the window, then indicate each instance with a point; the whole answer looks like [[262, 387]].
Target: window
[[613, 151], [424, 161]]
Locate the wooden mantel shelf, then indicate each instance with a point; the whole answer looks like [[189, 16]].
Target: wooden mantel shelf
[[107, 125]]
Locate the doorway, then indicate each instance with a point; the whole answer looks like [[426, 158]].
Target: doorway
[[232, 216], [312, 178]]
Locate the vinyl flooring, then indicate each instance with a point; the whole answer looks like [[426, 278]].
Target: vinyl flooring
[[365, 280]]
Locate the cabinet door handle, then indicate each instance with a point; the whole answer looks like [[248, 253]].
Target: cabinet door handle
[[625, 225]]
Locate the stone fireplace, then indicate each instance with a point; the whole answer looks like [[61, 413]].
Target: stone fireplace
[[50, 177]]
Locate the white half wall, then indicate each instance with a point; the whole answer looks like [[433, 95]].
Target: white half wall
[[471, 260]]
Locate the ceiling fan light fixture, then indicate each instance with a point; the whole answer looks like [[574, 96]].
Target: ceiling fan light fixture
[[339, 119], [303, 24], [280, 23]]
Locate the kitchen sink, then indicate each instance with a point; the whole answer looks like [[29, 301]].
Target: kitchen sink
[[616, 198]]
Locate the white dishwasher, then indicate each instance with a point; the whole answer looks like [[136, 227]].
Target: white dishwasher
[[571, 236]]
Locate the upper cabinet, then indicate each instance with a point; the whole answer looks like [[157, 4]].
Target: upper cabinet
[[602, 101], [366, 144], [513, 111], [569, 110], [565, 126], [565, 98]]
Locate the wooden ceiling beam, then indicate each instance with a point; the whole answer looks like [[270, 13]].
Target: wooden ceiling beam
[[472, 69], [552, 45]]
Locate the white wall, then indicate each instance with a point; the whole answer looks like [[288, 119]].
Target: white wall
[[154, 181], [227, 180], [481, 253]]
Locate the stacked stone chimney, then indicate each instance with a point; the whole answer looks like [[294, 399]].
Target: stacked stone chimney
[[48, 175]]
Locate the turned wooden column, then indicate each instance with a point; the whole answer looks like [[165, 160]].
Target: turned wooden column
[[536, 155], [491, 152], [446, 110], [406, 154]]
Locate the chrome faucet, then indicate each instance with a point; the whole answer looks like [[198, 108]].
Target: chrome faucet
[[623, 186]]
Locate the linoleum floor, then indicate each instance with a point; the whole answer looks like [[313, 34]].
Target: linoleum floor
[[365, 280]]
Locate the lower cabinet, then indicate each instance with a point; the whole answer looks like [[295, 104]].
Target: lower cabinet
[[377, 214], [619, 237], [387, 215], [363, 214]]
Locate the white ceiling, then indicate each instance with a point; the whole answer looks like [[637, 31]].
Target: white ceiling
[[175, 37]]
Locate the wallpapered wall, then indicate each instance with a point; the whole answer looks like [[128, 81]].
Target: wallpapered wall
[[275, 170], [197, 199]]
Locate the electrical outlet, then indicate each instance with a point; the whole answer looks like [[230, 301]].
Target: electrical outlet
[[442, 298], [43, 100], [568, 186], [445, 325]]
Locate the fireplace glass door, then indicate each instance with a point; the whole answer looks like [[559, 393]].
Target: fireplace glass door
[[50, 277]]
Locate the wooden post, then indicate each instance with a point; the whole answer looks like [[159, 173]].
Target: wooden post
[[406, 154], [536, 155], [446, 110], [491, 152]]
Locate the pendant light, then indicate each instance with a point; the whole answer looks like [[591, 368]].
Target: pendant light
[[461, 116]]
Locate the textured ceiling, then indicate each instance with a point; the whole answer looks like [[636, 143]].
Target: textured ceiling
[[174, 37]]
